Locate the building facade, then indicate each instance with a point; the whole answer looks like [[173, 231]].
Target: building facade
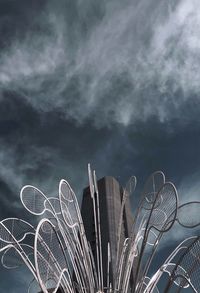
[[110, 201]]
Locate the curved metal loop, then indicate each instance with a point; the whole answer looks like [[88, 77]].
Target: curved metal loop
[[152, 186], [188, 215], [128, 190], [53, 202], [152, 237], [189, 261], [35, 201], [145, 283], [182, 267], [72, 217], [12, 259], [130, 187], [11, 241], [15, 229], [178, 272], [164, 208], [68, 205], [160, 218], [50, 259]]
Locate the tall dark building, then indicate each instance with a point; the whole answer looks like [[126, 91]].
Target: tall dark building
[[110, 199]]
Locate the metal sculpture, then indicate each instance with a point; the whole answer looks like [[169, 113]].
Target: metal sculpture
[[58, 254]]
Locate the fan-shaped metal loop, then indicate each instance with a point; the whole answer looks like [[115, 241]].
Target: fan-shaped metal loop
[[65, 191], [188, 214], [33, 199], [151, 188], [11, 258], [164, 208], [16, 229], [50, 259]]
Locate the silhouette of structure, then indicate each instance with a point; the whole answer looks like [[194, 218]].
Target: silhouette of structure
[[110, 202]]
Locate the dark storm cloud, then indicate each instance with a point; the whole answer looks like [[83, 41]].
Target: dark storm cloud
[[98, 65], [109, 62], [108, 83]]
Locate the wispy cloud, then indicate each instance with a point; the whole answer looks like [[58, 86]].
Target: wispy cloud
[[137, 60], [17, 169]]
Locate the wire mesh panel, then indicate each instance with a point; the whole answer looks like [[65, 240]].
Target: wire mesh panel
[[50, 258], [186, 272]]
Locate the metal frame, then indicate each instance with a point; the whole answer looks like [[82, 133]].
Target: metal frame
[[60, 251]]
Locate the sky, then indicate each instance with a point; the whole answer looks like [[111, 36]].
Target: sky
[[112, 83]]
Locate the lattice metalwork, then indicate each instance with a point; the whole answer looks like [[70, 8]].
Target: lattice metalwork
[[58, 254]]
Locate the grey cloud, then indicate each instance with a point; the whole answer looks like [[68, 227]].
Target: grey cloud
[[190, 187], [118, 67], [17, 170]]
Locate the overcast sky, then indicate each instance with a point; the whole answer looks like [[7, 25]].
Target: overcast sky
[[114, 83]]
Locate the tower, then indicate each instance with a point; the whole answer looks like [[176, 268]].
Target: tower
[[110, 201]]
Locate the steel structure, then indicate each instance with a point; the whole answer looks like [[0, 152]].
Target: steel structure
[[59, 255]]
